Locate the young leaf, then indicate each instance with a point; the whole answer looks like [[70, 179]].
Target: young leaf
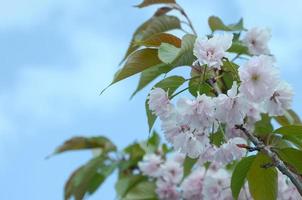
[[167, 53], [169, 84], [137, 62], [239, 48], [264, 126], [146, 3], [155, 25], [293, 130], [292, 157], [124, 185], [188, 165], [80, 143], [292, 133], [143, 191], [291, 119], [157, 39], [239, 175], [262, 181], [216, 23], [179, 57], [149, 75], [152, 144], [85, 180]]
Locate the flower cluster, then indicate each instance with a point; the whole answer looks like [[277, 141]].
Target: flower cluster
[[189, 123], [211, 183]]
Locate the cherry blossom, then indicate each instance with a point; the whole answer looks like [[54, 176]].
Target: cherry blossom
[[257, 39], [192, 186], [166, 190], [211, 51], [150, 165], [259, 78], [159, 103], [171, 172], [229, 151], [231, 108], [281, 100]]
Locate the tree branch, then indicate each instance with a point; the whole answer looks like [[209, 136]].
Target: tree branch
[[189, 22], [276, 160]]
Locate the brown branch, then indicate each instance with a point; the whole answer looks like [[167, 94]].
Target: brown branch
[[189, 22], [276, 160]]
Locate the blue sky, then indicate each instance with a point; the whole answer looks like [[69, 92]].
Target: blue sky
[[56, 56]]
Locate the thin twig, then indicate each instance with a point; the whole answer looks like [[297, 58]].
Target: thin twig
[[276, 160], [182, 11]]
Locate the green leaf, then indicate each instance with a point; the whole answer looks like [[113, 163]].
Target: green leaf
[[179, 57], [292, 157], [124, 185], [155, 25], [157, 39], [217, 138], [196, 86], [80, 143], [290, 118], [239, 175], [264, 126], [134, 153], [169, 84], [167, 53], [216, 23], [292, 133], [142, 191], [85, 180], [150, 75], [146, 3], [292, 130], [152, 144], [262, 181], [198, 83], [138, 62], [188, 165], [239, 48]]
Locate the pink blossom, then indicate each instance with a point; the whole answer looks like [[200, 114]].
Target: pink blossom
[[211, 51], [192, 186], [159, 103], [281, 100], [166, 190], [150, 165], [257, 39], [259, 78]]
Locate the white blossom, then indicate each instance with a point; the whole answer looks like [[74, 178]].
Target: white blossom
[[216, 188], [150, 165], [171, 172], [178, 157], [174, 125], [192, 186], [281, 100], [208, 155], [166, 190], [211, 51], [259, 78], [229, 151], [192, 144], [159, 103], [257, 39], [231, 108], [199, 113]]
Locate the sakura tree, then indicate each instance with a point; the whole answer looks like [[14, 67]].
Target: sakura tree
[[229, 130]]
